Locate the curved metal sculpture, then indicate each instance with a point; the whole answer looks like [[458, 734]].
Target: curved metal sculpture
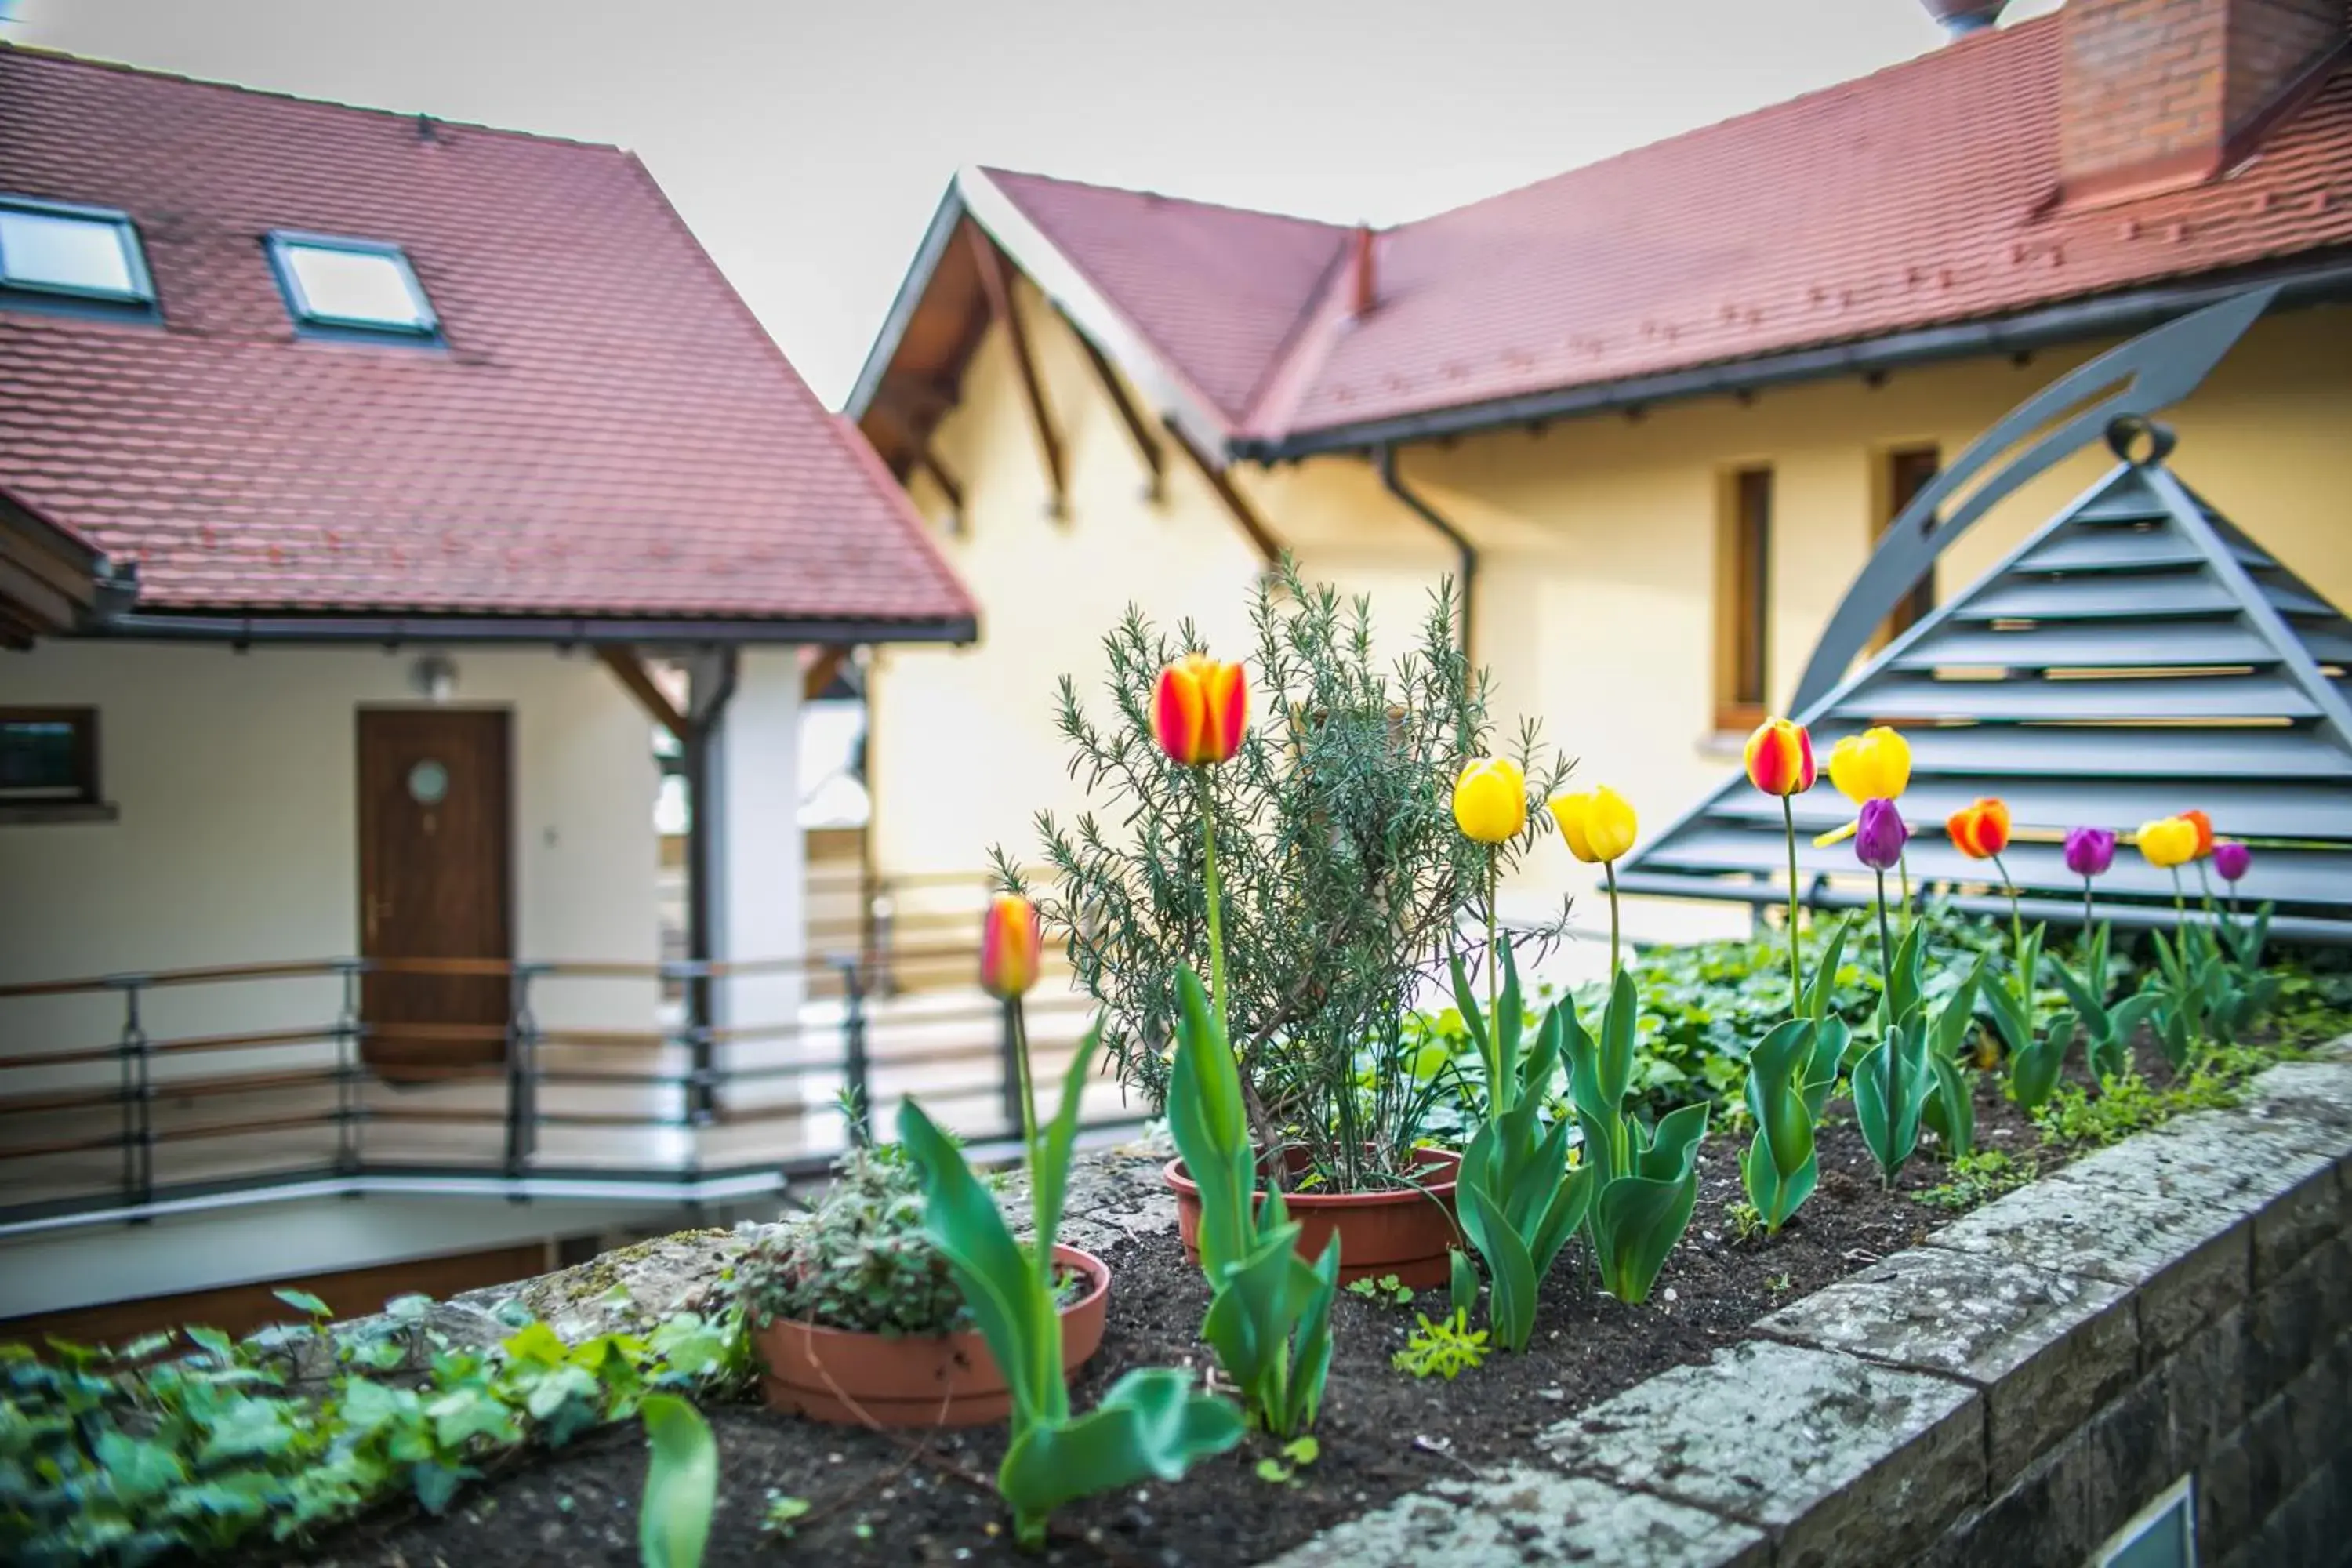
[[2158, 369]]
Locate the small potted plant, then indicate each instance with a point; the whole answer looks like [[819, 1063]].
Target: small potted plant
[[853, 1310]]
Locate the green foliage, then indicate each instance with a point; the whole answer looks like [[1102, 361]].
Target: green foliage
[[2131, 1104], [1297, 1455], [1910, 1078], [1387, 1288], [681, 1484], [1978, 1178], [1446, 1348], [118, 1457], [2107, 1030], [1790, 1074], [1151, 1424], [859, 1260], [1517, 1199], [1644, 1181], [783, 1511], [1269, 1317], [1342, 871]]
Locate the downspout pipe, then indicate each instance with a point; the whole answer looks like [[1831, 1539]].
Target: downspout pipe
[[1465, 553]]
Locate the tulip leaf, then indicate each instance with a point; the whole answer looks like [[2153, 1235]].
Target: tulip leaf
[[1616, 1060], [1776, 1197], [1776, 1098], [1152, 1424], [1890, 1086], [1823, 984], [1512, 1302], [681, 1484], [1461, 1280], [2034, 1071], [1637, 1220]]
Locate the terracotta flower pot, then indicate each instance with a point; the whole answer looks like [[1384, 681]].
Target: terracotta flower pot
[[914, 1380], [1405, 1232]]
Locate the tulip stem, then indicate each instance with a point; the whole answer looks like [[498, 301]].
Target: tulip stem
[[1499, 1093], [1886, 1015], [1902, 865], [1216, 901], [2016, 939], [1608, 870], [1796, 970]]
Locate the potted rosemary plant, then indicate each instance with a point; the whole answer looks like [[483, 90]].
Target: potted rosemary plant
[[1304, 856]]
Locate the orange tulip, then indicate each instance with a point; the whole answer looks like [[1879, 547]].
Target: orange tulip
[[2204, 826], [1980, 830], [1011, 946], [1199, 709], [1780, 758]]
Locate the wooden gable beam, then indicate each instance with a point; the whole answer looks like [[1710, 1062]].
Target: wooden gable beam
[[1270, 549], [1147, 444], [944, 477], [821, 669], [631, 671], [996, 283]]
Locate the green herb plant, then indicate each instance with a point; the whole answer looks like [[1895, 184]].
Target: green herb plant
[[1386, 1289], [1340, 870], [1282, 1469], [1269, 1319], [1151, 1424], [1446, 1348], [1519, 1200], [859, 1259]]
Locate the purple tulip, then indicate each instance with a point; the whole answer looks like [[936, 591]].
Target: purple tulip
[[2090, 851], [1878, 838], [2232, 859]]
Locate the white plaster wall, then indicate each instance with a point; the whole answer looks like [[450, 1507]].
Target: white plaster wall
[[238, 836], [758, 882]]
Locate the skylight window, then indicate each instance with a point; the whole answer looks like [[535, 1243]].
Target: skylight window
[[91, 253], [354, 284]]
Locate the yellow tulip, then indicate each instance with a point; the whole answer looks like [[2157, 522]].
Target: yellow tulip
[[1872, 765], [1597, 824], [2168, 842], [1490, 800]]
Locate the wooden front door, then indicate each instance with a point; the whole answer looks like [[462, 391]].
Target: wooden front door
[[436, 859]]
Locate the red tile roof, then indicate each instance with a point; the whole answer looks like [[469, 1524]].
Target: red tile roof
[[1919, 195], [1217, 289], [607, 432]]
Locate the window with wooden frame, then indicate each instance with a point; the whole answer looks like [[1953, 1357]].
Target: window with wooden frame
[[48, 756], [1743, 598], [1904, 472]]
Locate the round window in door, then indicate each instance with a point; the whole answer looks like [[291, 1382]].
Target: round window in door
[[428, 782]]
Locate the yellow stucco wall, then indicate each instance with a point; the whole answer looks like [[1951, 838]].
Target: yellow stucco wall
[[1597, 536]]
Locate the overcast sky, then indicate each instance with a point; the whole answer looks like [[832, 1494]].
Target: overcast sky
[[806, 142]]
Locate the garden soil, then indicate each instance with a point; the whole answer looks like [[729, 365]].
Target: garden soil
[[923, 1498]]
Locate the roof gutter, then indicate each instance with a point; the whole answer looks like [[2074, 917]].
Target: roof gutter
[[1465, 553], [327, 629], [2108, 314]]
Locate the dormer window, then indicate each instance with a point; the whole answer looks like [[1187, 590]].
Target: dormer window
[[76, 252], [350, 286]]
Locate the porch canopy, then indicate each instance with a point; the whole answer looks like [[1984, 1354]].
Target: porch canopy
[[2139, 655]]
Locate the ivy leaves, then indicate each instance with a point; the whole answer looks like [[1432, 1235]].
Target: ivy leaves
[[118, 1457]]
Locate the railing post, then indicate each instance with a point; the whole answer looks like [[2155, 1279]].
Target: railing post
[[1016, 1115], [347, 1071], [138, 1099], [522, 1072], [856, 1080], [701, 1046]]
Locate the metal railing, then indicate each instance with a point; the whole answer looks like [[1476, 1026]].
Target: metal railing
[[281, 1077]]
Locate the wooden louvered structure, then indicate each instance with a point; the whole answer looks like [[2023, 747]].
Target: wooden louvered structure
[[2137, 655]]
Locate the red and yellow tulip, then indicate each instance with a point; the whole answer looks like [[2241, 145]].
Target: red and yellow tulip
[[1979, 829], [1199, 708], [1011, 946], [1780, 758], [2204, 826]]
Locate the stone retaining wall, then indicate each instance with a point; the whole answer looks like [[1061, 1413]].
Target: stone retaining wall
[[2011, 1393]]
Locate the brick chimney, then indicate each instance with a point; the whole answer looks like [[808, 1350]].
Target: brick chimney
[[2157, 94]]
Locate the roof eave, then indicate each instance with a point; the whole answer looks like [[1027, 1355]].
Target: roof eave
[[281, 626], [2126, 311], [1164, 389]]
